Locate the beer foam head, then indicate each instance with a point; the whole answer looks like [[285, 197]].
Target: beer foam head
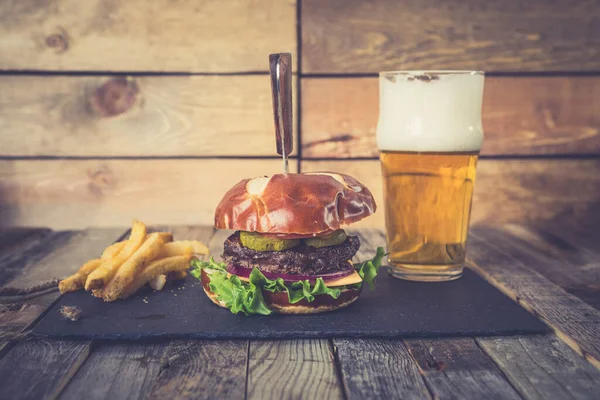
[[430, 111]]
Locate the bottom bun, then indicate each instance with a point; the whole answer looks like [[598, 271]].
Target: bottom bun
[[279, 302]]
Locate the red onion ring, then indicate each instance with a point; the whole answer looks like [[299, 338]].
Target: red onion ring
[[288, 278]]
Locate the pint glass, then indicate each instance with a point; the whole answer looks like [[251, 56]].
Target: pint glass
[[428, 135]]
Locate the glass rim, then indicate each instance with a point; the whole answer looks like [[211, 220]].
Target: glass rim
[[432, 72]]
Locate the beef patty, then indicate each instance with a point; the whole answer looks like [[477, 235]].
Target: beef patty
[[300, 260]]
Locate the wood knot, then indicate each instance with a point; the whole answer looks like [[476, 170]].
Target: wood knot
[[101, 179], [114, 97], [436, 365], [59, 41]]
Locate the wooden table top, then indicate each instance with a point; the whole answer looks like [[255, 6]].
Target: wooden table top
[[554, 273]]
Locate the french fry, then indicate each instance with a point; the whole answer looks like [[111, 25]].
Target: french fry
[[183, 247], [158, 282], [126, 266], [112, 250], [70, 284], [166, 237], [197, 247], [77, 280], [155, 268], [105, 272], [125, 274]]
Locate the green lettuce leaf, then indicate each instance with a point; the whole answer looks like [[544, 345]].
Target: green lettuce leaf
[[247, 297], [198, 265], [238, 296], [304, 290], [369, 269], [296, 291]]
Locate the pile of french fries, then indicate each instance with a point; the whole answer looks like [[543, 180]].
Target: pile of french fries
[[125, 267]]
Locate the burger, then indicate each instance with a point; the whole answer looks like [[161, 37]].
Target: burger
[[290, 253]]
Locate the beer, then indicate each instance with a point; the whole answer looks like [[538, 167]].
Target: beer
[[427, 208], [429, 135]]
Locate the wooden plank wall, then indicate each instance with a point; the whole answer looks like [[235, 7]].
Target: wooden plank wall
[[113, 110]]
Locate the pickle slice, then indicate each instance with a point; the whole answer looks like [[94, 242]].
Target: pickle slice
[[258, 242], [333, 239]]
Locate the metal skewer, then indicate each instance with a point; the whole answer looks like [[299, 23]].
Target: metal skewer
[[281, 88]]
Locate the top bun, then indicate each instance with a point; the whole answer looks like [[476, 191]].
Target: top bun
[[303, 204]]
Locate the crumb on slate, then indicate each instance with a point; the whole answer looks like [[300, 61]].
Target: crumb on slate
[[72, 313]]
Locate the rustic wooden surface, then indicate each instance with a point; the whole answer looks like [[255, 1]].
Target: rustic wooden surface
[[62, 261], [352, 36], [379, 368], [572, 268], [573, 321], [521, 115], [457, 368], [532, 192], [563, 243], [578, 235], [188, 36], [82, 193], [542, 367], [46, 257], [17, 315], [529, 367], [103, 116], [13, 238], [117, 371], [300, 369], [543, 370], [52, 364], [543, 356], [28, 251], [202, 370]]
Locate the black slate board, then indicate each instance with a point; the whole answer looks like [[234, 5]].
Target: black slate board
[[466, 307]]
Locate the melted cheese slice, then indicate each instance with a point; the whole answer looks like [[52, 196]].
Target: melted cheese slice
[[346, 280], [351, 279]]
